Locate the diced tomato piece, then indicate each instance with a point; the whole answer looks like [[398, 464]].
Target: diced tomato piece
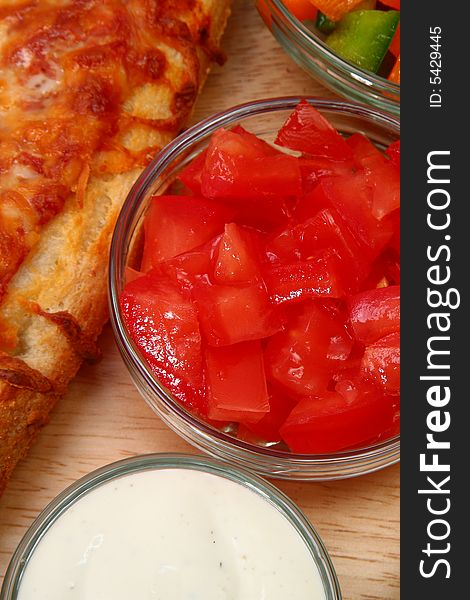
[[304, 356], [382, 362], [365, 152], [396, 71], [325, 231], [393, 151], [186, 268], [261, 147], [165, 327], [235, 143], [385, 179], [352, 385], [296, 281], [307, 131], [195, 262], [237, 388], [330, 423], [235, 257], [267, 429], [336, 9], [236, 168], [192, 173], [312, 202], [230, 314], [177, 224], [302, 9], [349, 368], [352, 196], [395, 44], [375, 313], [382, 175], [287, 245], [314, 168]]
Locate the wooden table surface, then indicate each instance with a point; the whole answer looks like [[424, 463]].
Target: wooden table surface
[[103, 418]]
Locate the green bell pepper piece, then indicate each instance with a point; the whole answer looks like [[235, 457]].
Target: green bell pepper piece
[[363, 37]]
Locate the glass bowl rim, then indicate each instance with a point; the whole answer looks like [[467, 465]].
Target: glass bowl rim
[[137, 194], [310, 40], [160, 461]]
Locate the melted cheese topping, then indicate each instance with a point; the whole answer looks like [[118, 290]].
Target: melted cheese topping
[[87, 88]]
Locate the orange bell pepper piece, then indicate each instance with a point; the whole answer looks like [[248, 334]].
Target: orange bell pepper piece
[[336, 9]]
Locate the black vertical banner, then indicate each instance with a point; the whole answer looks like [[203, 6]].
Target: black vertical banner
[[435, 459]]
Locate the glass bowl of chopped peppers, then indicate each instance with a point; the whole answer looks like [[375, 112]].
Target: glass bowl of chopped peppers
[[351, 46], [255, 286]]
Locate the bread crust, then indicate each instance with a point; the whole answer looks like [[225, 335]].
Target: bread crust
[[56, 303]]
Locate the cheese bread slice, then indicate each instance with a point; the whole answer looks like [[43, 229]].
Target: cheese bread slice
[[90, 90]]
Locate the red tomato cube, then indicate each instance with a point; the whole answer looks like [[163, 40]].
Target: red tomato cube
[[364, 151], [236, 168], [330, 422], [382, 362], [267, 429], [186, 268], [236, 383], [235, 260], [375, 313], [259, 146], [307, 131], [311, 203], [165, 327], [352, 197], [314, 168], [230, 314], [385, 179], [296, 281], [177, 224], [324, 231], [191, 175], [304, 357]]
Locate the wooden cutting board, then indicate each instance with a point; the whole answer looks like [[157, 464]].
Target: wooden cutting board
[[103, 418]]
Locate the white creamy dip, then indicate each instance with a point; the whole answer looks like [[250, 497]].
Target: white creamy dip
[[171, 534]]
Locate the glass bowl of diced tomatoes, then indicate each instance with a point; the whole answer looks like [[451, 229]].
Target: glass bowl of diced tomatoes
[[351, 46], [254, 287]]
